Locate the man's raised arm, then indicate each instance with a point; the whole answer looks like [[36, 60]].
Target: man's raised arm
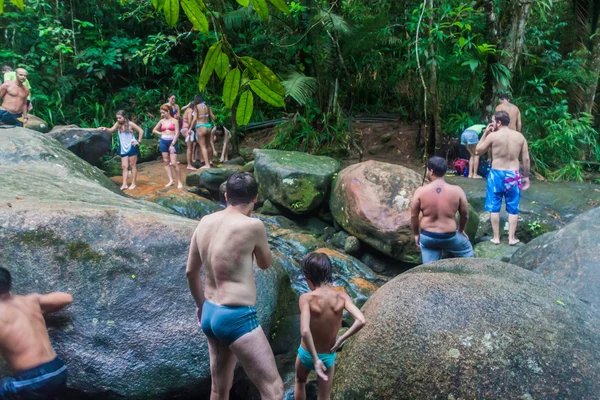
[[53, 302], [192, 272], [485, 142]]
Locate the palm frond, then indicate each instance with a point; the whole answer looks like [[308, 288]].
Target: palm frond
[[333, 22], [300, 87], [237, 19]]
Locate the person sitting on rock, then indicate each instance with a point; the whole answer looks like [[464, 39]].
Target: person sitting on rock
[[130, 149], [225, 244], [14, 96], [25, 344], [321, 312], [438, 202], [220, 131]]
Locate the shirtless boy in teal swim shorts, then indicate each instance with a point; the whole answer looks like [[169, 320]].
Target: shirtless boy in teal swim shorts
[[321, 313]]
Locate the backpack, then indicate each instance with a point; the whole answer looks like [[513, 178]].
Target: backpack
[[484, 167], [460, 165]]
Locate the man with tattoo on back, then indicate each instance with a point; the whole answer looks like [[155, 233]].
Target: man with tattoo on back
[[439, 202]]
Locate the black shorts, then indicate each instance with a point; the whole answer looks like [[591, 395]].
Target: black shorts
[[45, 381]]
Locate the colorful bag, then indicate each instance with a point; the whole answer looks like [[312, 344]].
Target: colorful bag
[[460, 165]]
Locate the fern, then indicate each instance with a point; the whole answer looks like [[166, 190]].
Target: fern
[[300, 87], [333, 22], [240, 18]]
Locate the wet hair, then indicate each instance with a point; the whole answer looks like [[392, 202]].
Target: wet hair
[[219, 130], [5, 281], [504, 96], [316, 267], [167, 108], [241, 189], [438, 165], [199, 99], [6, 68], [125, 126], [502, 116]]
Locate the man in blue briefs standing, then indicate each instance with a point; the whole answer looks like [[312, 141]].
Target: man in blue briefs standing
[[505, 180], [225, 244]]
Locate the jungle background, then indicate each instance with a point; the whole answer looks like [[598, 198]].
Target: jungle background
[[438, 63]]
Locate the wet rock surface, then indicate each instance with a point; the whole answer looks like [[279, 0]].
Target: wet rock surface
[[88, 144]]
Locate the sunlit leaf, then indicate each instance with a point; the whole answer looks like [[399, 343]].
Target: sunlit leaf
[[263, 73], [222, 66], [245, 108], [231, 87], [1, 6], [266, 94], [261, 9], [245, 3], [19, 3], [194, 11], [210, 61], [281, 6], [171, 12]]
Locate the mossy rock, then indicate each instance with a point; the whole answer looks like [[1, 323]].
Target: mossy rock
[[111, 165], [491, 251], [212, 178], [296, 181], [186, 204], [37, 124]]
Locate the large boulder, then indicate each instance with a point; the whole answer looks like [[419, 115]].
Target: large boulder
[[472, 328], [186, 204], [296, 181], [212, 178], [37, 124], [569, 257], [371, 200], [131, 331], [88, 144]]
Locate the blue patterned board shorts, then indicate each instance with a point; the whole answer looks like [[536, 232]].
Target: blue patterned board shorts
[[503, 184]]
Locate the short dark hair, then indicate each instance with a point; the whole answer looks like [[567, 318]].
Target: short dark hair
[[5, 281], [316, 267], [438, 165], [220, 130], [504, 96], [502, 116], [241, 189]]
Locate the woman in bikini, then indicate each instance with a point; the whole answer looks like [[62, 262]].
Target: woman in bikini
[[189, 134], [168, 130], [130, 149], [203, 128]]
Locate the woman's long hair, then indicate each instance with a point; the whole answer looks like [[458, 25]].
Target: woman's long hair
[[169, 109], [123, 126]]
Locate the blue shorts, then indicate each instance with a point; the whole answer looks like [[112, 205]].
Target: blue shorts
[[164, 145], [8, 118], [469, 137], [432, 244], [45, 381], [227, 323], [307, 360], [503, 184], [133, 151]]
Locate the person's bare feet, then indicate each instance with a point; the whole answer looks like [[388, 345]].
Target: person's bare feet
[[513, 242], [477, 177], [495, 241], [124, 187], [204, 167], [470, 176], [169, 184], [132, 187], [190, 168], [180, 185]]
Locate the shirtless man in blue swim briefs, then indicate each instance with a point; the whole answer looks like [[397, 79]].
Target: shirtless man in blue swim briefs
[[225, 244], [504, 180], [13, 110], [25, 346]]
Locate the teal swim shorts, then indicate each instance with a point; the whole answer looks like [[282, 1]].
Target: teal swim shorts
[[307, 360]]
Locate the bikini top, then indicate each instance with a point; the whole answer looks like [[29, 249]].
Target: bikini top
[[204, 115], [168, 128]]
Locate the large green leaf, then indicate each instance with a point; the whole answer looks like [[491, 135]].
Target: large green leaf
[[158, 4], [245, 108], [19, 3], [261, 9], [1, 6], [281, 6], [266, 94], [245, 3], [209, 64], [171, 12], [193, 10], [264, 74], [231, 87], [222, 66]]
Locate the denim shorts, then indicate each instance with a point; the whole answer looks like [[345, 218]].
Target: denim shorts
[[432, 244], [164, 145]]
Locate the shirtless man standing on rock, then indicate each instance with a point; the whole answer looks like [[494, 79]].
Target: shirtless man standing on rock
[[513, 112], [439, 202], [25, 345], [14, 100], [225, 244], [504, 179]]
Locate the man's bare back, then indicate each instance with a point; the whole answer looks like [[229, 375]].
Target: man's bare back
[[505, 146], [439, 202], [226, 243], [513, 112], [326, 311]]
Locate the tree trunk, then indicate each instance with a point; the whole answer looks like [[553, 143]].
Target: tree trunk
[[489, 93], [594, 68], [435, 134]]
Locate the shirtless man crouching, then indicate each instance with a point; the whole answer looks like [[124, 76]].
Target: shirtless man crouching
[[504, 179], [225, 244], [25, 345], [14, 100], [439, 202]]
